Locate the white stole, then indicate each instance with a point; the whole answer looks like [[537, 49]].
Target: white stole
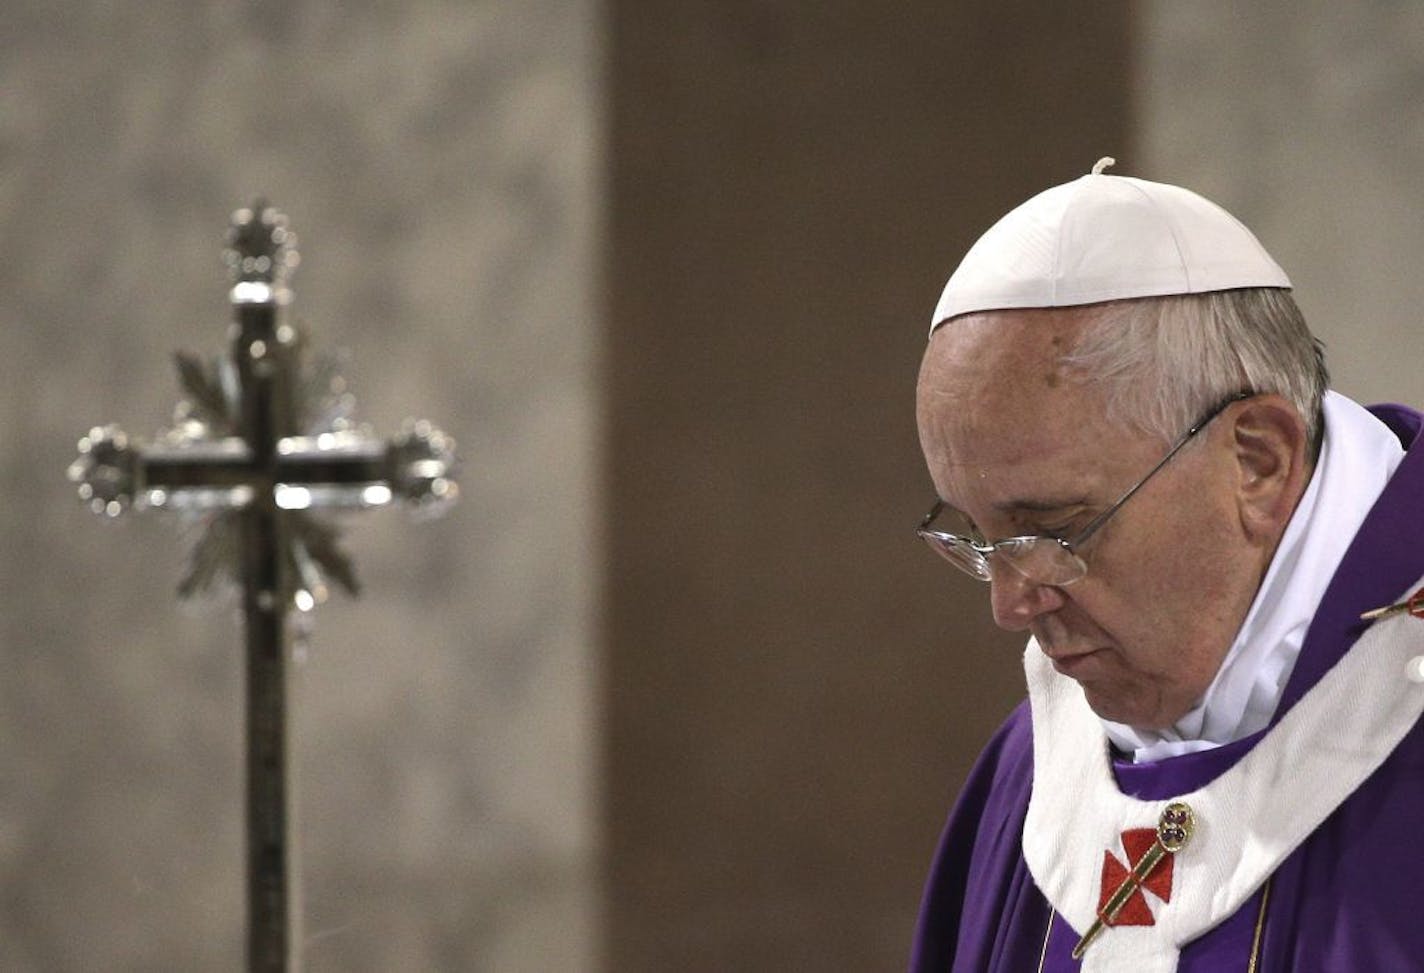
[[1247, 820]]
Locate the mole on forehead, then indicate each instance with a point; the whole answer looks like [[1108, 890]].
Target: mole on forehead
[[1003, 373]]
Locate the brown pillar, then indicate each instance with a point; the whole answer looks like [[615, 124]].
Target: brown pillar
[[794, 689]]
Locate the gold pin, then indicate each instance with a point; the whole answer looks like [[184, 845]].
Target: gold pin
[[1174, 830], [1414, 604]]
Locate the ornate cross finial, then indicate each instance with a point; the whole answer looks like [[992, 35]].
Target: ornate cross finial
[[260, 247], [315, 455], [260, 444]]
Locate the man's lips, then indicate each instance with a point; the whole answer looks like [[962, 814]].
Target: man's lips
[[1069, 663]]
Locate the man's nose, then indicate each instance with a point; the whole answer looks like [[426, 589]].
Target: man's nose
[[1016, 600]]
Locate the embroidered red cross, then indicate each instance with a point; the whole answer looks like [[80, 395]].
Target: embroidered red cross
[[1136, 842], [1122, 902]]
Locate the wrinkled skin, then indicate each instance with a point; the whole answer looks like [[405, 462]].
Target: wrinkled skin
[[1021, 445]]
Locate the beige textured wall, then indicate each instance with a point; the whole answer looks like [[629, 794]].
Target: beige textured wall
[[439, 162], [1306, 120]]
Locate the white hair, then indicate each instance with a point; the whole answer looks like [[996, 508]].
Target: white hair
[[1166, 360]]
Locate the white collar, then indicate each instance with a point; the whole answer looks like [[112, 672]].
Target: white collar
[[1247, 820], [1358, 455]]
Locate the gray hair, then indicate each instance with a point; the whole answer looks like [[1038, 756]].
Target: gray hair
[[1165, 360]]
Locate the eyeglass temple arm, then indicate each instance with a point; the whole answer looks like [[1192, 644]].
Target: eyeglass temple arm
[[934, 512], [1187, 436]]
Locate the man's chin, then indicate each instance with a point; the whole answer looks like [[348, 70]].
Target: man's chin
[[1118, 707]]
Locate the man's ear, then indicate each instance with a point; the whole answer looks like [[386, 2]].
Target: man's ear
[[1269, 444]]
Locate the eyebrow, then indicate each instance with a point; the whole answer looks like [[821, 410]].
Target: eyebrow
[[1025, 505], [1033, 505]]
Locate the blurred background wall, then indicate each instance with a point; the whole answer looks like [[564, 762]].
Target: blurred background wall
[[673, 687], [1305, 120], [440, 165]]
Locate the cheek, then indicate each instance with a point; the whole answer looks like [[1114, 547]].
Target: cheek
[[1152, 580], [1173, 558], [1168, 606]]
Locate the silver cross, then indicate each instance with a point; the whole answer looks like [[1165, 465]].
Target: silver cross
[[259, 443]]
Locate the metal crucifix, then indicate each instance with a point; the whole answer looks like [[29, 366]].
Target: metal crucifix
[[258, 443]]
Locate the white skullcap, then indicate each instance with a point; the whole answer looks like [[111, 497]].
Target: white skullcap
[[1105, 238]]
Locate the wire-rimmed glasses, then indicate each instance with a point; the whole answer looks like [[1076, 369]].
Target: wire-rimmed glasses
[[1040, 558]]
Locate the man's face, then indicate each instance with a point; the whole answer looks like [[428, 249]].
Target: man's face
[[1020, 445]]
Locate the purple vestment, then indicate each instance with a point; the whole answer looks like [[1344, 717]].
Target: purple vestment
[[1351, 898]]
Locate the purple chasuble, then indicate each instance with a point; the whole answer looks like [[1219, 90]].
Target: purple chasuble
[[1350, 898]]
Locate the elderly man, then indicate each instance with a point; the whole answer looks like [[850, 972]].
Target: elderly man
[[1218, 766]]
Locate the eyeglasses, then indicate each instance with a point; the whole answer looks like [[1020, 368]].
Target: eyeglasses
[[1039, 558]]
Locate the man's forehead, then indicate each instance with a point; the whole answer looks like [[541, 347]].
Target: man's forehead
[[1023, 332], [1000, 412], [1027, 462], [988, 361]]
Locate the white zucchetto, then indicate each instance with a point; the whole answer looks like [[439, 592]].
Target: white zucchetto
[[1104, 238]]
